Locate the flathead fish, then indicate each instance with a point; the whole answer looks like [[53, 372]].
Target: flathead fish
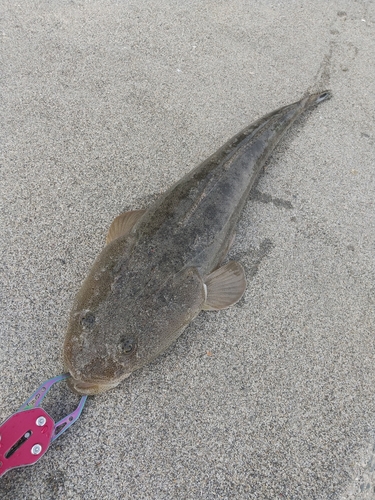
[[163, 265]]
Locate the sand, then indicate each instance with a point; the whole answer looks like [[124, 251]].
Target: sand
[[104, 105]]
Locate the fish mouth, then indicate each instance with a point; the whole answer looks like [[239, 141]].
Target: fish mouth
[[90, 388]]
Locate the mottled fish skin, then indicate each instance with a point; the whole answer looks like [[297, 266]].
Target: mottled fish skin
[[153, 279]]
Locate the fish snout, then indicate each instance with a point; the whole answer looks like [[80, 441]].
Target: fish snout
[[84, 388]]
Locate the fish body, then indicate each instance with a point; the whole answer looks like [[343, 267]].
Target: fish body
[[161, 266]]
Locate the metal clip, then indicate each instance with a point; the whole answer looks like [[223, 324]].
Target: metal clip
[[26, 435]]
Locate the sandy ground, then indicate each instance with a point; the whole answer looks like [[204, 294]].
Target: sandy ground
[[104, 105]]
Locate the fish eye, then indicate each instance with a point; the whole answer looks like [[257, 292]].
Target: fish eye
[[127, 346], [88, 320]]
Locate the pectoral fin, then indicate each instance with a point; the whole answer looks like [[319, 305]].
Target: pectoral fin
[[225, 286], [123, 223]]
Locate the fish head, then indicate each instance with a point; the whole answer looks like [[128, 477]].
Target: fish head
[[122, 320], [96, 354]]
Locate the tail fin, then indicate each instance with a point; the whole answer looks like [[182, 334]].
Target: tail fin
[[313, 99]]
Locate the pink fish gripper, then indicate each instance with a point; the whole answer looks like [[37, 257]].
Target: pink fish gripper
[[26, 435]]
